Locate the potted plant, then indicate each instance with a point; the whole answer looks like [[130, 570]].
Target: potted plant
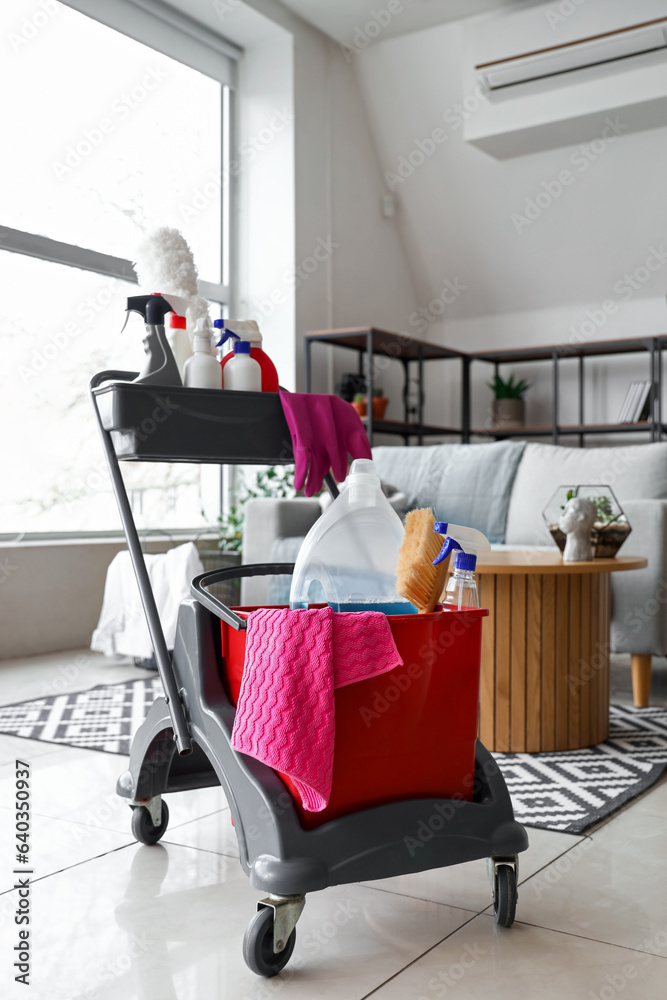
[[359, 403], [508, 405], [380, 403]]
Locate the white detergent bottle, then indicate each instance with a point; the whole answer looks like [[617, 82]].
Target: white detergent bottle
[[202, 371], [348, 558], [242, 371]]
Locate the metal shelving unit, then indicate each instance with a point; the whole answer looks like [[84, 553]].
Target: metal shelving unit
[[370, 341], [555, 354]]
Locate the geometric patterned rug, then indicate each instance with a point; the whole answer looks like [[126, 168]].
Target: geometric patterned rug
[[573, 790], [567, 791], [103, 718]]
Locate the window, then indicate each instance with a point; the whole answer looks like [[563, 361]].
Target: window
[[105, 138]]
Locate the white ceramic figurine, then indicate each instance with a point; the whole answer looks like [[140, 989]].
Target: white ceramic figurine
[[576, 521]]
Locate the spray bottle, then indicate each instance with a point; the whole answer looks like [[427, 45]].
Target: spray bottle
[[202, 371], [461, 587], [160, 367], [249, 331]]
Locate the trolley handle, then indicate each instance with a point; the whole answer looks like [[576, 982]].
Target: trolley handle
[[233, 573], [113, 375]]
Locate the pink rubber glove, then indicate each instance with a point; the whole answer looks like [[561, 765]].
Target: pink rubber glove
[[323, 429], [351, 433]]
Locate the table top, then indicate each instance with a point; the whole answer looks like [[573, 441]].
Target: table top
[[537, 561]]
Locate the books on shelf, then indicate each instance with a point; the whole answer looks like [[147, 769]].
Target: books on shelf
[[636, 405]]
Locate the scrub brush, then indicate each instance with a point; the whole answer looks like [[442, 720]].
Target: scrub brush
[[418, 579]]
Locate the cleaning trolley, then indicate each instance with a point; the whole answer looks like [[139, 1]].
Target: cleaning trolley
[[413, 789]]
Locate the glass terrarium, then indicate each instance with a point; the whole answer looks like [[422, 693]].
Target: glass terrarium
[[611, 526]]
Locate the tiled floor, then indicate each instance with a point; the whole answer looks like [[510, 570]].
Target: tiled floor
[[112, 919]]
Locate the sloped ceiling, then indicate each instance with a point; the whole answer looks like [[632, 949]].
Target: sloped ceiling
[[342, 19]]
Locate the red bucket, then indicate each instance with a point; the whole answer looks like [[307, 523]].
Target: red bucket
[[407, 734]]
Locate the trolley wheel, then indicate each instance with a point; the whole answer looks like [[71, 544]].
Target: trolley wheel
[[504, 902], [258, 950], [143, 827]]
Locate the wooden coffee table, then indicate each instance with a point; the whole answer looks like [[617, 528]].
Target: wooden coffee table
[[545, 650]]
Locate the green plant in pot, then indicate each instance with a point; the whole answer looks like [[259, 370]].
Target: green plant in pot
[[611, 527], [508, 405], [380, 403]]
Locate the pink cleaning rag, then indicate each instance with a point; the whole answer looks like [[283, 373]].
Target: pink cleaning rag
[[293, 662]]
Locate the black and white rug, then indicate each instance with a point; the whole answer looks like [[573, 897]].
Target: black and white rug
[[568, 791], [573, 790], [104, 718]]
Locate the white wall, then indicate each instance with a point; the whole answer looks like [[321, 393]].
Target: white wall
[[540, 281]]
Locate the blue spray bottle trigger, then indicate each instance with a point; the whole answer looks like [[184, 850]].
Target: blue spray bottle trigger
[[449, 544], [219, 324]]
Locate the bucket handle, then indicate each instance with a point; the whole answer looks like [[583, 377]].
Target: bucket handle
[[233, 573]]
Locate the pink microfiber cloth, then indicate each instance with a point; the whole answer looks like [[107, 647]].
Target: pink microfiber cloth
[[324, 430], [293, 662]]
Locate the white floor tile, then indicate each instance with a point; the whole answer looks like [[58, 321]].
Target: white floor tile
[[213, 833], [58, 673], [610, 888], [167, 923], [485, 962], [80, 786], [468, 885], [54, 844]]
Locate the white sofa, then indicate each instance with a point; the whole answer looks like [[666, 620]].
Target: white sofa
[[502, 489]]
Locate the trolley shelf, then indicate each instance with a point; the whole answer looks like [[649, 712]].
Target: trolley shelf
[[150, 423]]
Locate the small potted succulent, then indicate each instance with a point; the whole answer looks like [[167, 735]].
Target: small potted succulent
[[508, 406], [380, 403]]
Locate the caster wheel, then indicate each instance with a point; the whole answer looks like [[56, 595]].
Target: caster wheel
[[142, 824], [504, 903], [258, 946]]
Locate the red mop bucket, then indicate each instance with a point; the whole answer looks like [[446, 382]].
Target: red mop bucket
[[406, 734]]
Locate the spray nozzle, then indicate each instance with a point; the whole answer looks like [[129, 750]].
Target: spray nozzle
[[219, 324], [153, 308], [449, 544]]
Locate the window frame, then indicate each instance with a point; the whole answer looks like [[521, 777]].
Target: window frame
[[179, 37]]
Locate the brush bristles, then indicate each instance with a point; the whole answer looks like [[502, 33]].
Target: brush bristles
[[418, 580]]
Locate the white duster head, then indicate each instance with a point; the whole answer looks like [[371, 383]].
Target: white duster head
[[165, 264]]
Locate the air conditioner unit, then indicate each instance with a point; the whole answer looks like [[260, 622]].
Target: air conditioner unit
[[591, 51]]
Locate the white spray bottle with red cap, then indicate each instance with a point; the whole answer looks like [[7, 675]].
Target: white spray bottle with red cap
[[248, 330]]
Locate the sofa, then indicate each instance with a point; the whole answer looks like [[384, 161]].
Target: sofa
[[501, 489]]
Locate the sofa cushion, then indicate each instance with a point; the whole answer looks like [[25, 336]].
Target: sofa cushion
[[465, 484], [634, 472]]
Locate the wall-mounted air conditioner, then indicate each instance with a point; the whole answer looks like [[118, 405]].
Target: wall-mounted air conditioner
[[558, 59]]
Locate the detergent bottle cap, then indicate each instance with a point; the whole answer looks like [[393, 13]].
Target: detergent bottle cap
[[241, 347], [177, 322], [465, 561]]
